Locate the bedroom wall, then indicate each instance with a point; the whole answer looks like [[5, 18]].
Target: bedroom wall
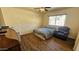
[[22, 20], [72, 19], [1, 19]]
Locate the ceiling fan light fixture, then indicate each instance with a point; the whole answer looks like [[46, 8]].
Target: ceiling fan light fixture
[[42, 9]]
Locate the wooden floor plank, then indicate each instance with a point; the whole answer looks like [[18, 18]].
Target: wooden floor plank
[[33, 43]]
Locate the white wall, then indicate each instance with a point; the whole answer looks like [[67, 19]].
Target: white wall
[[23, 21]]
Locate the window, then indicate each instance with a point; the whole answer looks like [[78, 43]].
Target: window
[[58, 20]]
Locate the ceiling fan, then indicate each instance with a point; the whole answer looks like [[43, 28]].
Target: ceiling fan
[[42, 9]]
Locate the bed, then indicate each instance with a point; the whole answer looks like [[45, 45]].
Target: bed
[[45, 32]]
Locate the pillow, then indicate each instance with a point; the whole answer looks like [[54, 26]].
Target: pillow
[[51, 27], [63, 28]]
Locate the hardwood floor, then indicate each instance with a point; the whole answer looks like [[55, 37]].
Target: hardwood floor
[[32, 43]]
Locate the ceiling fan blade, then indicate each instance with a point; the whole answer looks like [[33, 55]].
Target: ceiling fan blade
[[42, 8], [47, 7]]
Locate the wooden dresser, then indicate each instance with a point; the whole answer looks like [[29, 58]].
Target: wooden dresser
[[9, 41]]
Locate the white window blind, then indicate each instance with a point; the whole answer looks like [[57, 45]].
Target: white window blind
[[58, 20]]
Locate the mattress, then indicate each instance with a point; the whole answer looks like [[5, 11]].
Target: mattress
[[44, 33]]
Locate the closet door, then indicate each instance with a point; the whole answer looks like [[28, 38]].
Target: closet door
[[76, 46]]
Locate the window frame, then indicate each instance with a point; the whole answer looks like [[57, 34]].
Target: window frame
[[57, 15]]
